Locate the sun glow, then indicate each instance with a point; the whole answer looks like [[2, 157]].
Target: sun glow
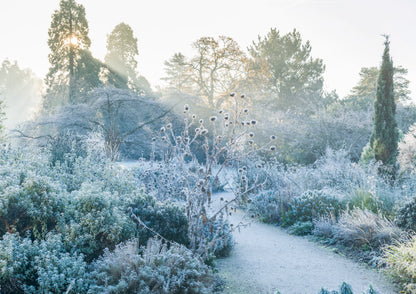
[[72, 41]]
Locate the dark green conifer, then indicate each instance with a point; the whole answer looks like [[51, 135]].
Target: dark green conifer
[[385, 133]]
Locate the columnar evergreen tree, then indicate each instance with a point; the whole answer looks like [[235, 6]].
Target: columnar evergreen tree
[[68, 37], [384, 138]]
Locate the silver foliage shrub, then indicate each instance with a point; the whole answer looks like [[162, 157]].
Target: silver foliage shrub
[[156, 269]]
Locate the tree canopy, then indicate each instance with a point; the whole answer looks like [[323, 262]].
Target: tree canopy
[[283, 71], [122, 52]]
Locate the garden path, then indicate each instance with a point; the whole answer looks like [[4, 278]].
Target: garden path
[[266, 259]]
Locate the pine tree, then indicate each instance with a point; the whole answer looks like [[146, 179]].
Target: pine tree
[[385, 134]]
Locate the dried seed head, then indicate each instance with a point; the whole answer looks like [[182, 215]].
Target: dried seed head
[[163, 138], [193, 116], [162, 129], [251, 135], [220, 111], [250, 142], [253, 122], [273, 148], [240, 170], [272, 137], [213, 118], [243, 96], [201, 170], [204, 132], [153, 139], [245, 110], [186, 107], [232, 94], [201, 121], [197, 130], [169, 126], [226, 124]]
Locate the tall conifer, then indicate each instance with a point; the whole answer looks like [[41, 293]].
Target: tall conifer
[[385, 134]]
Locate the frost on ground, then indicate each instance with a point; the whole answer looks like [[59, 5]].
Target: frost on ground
[[266, 259]]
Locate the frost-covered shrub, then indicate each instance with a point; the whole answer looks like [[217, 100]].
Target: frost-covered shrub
[[95, 220], [311, 205], [301, 228], [30, 202], [167, 219], [157, 269], [407, 151], [406, 216], [400, 260], [66, 147], [324, 226], [269, 206], [364, 228], [44, 266]]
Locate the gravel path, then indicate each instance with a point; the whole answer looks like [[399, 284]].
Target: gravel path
[[266, 259]]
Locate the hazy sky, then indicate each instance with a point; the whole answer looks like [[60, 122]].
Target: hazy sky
[[344, 33]]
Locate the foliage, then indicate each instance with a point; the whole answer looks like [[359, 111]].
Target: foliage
[[20, 91], [407, 151], [301, 228], [96, 221], [167, 219], [385, 134], [363, 199], [400, 260], [363, 95], [406, 216], [268, 206], [121, 56], [346, 289], [178, 75], [311, 205], [29, 202], [284, 69], [66, 148], [158, 269], [302, 138], [40, 266], [365, 229]]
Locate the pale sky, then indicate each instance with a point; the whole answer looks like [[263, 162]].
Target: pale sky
[[344, 33]]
